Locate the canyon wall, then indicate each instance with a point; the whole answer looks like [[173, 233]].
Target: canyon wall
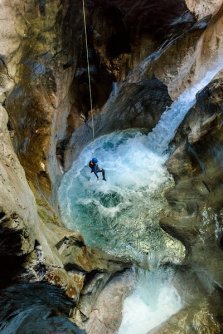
[[45, 121]]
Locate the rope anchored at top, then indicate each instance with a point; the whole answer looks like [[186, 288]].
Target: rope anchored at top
[[88, 68]]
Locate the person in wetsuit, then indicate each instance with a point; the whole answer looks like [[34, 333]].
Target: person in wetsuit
[[93, 164]]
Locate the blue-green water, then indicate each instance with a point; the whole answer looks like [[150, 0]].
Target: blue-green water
[[121, 215]]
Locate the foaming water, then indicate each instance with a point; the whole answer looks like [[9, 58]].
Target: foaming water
[[153, 301], [120, 215]]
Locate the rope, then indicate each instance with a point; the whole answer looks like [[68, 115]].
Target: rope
[[88, 69]]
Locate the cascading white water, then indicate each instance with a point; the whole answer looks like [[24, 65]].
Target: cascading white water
[[152, 302], [163, 133], [121, 215]]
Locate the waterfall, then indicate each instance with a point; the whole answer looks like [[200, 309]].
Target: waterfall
[[163, 133], [152, 302]]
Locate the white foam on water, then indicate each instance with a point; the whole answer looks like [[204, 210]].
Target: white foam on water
[[152, 302], [120, 215]]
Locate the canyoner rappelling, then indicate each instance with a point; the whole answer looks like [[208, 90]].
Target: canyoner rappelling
[[92, 163]]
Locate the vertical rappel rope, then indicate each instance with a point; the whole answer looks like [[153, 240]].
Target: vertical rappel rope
[[88, 69]]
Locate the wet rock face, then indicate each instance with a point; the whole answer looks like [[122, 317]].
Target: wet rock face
[[196, 200], [18, 216], [35, 308]]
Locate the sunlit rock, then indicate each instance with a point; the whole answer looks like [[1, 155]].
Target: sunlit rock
[[105, 312], [196, 319], [203, 8]]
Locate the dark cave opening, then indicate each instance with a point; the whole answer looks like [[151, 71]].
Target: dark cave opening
[[117, 44], [11, 267]]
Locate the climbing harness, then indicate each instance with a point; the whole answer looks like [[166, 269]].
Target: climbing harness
[[88, 69]]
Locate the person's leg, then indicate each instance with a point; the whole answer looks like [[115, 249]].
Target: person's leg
[[103, 174], [101, 170], [95, 173]]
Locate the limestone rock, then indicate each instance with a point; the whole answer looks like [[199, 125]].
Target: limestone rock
[[188, 58], [18, 216], [104, 315], [197, 319]]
